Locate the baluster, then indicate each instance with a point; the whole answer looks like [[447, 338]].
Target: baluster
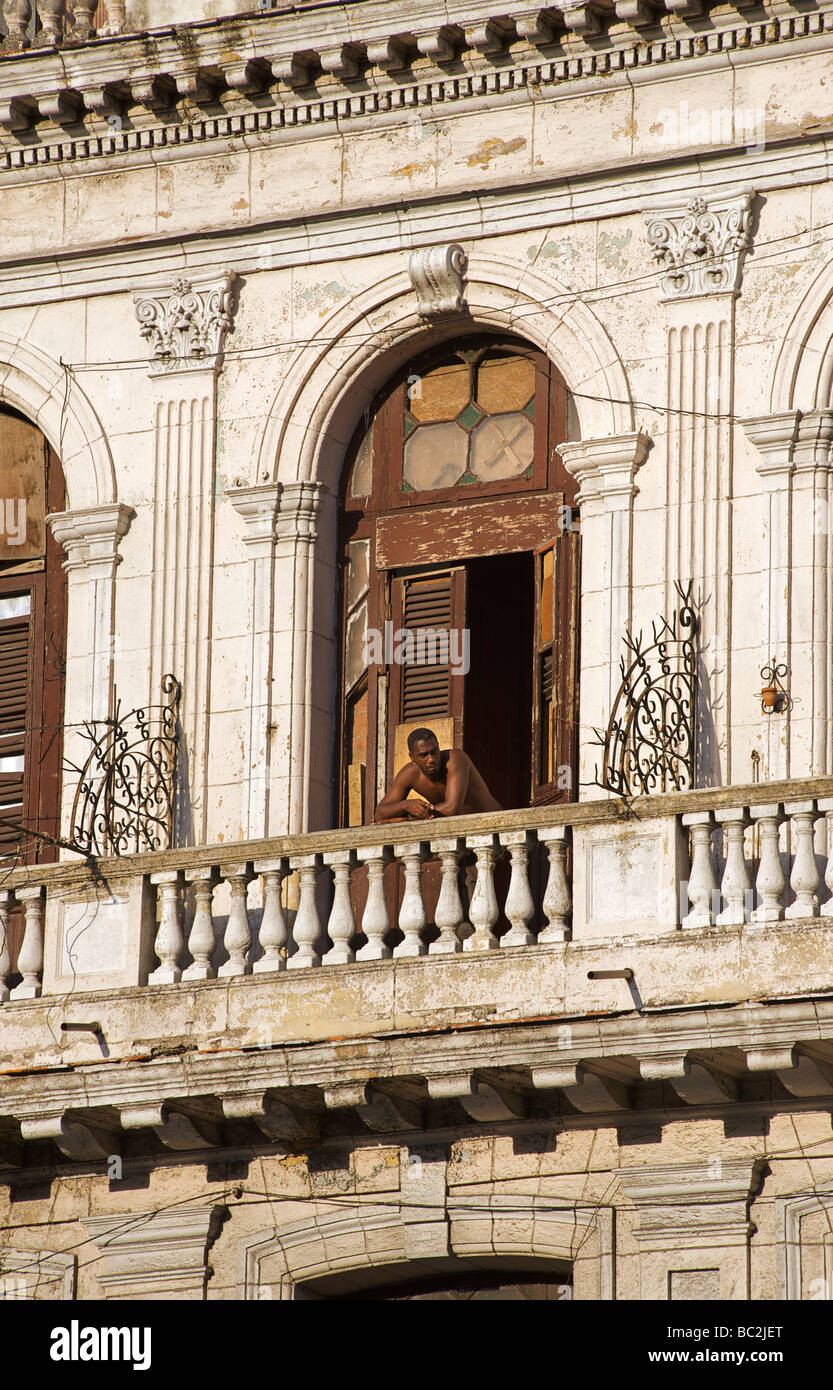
[[307, 929], [483, 909], [805, 877], [412, 917], [449, 914], [273, 931], [202, 940], [5, 958], [520, 908], [169, 942], [702, 884], [558, 903], [375, 921], [83, 15], [52, 13], [736, 885], [30, 956], [341, 926], [238, 934], [826, 909], [770, 881], [114, 10], [16, 14]]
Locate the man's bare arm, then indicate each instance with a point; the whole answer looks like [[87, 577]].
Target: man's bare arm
[[456, 784], [396, 803]]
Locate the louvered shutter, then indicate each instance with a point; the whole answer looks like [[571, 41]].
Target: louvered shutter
[[555, 713], [15, 648], [425, 688]]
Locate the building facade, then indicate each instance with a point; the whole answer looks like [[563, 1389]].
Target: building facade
[[325, 325]]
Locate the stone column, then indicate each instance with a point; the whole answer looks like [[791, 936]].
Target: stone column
[[692, 1227], [303, 660], [605, 470], [258, 507], [700, 248], [90, 538], [185, 324], [774, 437]]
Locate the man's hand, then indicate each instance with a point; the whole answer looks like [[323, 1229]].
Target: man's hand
[[419, 810]]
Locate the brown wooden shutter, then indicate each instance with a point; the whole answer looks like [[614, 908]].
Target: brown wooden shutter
[[427, 692], [14, 703], [555, 712]]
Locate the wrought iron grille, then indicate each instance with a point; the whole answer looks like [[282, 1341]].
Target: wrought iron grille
[[650, 741], [124, 802]]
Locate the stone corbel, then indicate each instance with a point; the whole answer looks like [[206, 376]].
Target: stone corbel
[[700, 247], [484, 1101], [90, 537], [438, 275], [378, 1110], [186, 322]]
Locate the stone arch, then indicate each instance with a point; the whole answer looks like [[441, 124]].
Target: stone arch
[[363, 343], [376, 1237], [803, 376], [49, 396]]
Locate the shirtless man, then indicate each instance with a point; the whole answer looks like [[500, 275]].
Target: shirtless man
[[447, 780]]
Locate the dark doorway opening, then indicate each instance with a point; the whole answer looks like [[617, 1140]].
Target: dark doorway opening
[[498, 692]]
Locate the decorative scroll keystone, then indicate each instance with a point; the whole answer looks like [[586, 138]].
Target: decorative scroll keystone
[[482, 1100], [586, 1090], [186, 323], [694, 1082], [700, 248], [277, 1120], [376, 1109], [437, 274]]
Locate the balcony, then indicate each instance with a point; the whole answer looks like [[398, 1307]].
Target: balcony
[[623, 953]]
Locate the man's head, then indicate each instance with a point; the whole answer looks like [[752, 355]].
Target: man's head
[[425, 750]]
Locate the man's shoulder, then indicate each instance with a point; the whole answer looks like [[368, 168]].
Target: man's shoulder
[[455, 757], [409, 770]]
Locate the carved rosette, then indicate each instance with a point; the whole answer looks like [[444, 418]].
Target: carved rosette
[[701, 247], [186, 323], [437, 275]]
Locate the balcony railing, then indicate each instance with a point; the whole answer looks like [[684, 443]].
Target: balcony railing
[[51, 23], [745, 857]]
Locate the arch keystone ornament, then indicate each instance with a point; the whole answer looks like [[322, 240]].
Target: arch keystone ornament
[[438, 276]]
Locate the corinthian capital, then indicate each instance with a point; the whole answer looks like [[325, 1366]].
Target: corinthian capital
[[186, 322], [700, 247]]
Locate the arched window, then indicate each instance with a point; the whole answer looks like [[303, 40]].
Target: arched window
[[32, 643], [459, 574]]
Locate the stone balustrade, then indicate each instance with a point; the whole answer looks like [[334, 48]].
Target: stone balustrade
[[739, 858], [59, 23]]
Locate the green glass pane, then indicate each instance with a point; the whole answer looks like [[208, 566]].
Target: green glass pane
[[410, 426], [529, 410], [406, 487], [469, 417], [467, 479]]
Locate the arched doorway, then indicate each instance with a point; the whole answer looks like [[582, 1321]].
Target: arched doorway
[[458, 551], [32, 648], [518, 1279]]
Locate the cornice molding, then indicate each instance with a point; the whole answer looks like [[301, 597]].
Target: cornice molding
[[42, 91]]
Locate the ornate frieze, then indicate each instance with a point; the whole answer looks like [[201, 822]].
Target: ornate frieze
[[700, 248], [186, 323], [437, 275]]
